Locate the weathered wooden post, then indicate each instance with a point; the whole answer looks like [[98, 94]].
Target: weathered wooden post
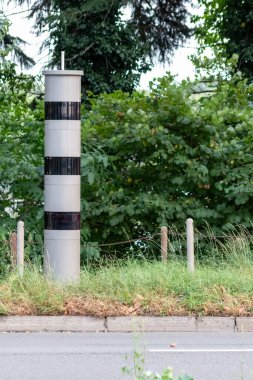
[[190, 244], [164, 244], [20, 247], [13, 248]]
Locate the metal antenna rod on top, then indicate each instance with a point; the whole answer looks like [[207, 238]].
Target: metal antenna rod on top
[[62, 60]]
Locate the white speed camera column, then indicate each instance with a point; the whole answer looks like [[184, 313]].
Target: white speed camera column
[[62, 174]]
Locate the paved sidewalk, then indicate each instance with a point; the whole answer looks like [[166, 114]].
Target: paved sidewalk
[[125, 324]]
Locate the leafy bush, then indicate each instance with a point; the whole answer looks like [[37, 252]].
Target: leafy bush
[[156, 159], [21, 153]]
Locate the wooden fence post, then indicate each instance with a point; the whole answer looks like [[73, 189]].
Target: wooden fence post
[[20, 248], [190, 244], [164, 244]]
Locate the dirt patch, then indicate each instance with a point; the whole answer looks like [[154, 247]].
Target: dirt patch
[[19, 308], [94, 307], [105, 308], [226, 304]]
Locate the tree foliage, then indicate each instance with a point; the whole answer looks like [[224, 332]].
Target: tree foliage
[[160, 24], [99, 43], [113, 53], [227, 27], [11, 45]]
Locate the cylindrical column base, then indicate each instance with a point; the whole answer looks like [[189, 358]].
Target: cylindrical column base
[[62, 255]]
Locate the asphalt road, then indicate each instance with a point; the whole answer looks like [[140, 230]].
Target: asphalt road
[[101, 356]]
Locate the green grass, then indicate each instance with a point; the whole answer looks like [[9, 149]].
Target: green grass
[[222, 284], [134, 287]]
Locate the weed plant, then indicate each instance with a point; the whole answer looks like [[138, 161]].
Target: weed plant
[[139, 373]]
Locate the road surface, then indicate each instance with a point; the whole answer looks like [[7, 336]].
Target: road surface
[[101, 356]]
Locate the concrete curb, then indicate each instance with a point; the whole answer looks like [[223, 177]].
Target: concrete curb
[[125, 324], [52, 323], [222, 324], [244, 324]]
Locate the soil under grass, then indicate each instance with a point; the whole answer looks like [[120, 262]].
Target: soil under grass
[[134, 288]]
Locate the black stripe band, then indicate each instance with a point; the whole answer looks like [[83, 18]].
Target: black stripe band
[[62, 165], [62, 220], [62, 110]]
